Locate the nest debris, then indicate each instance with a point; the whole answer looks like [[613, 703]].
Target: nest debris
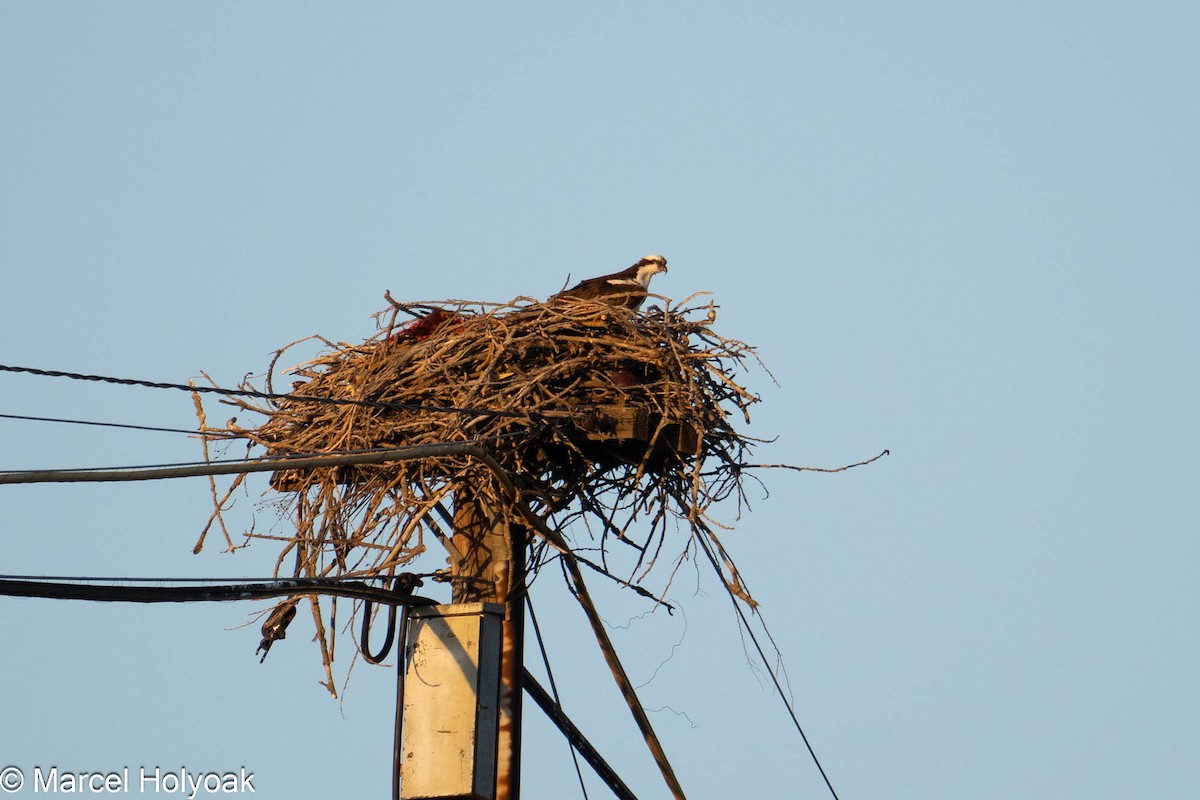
[[616, 426]]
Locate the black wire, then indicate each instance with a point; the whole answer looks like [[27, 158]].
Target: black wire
[[575, 736], [340, 401], [231, 466], [279, 587], [401, 676], [210, 435], [537, 632], [704, 545], [389, 638], [197, 464], [272, 579]]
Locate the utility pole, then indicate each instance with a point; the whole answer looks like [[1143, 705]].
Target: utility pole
[[490, 552], [463, 687]]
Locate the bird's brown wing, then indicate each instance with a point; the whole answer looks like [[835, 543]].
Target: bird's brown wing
[[590, 289]]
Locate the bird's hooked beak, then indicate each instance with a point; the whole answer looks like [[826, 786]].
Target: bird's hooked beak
[[658, 261]]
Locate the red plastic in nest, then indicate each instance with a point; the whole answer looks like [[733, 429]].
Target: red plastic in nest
[[421, 329]]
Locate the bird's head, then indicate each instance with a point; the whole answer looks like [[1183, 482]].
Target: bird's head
[[647, 268]]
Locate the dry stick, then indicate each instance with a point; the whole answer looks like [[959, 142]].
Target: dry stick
[[326, 656], [607, 649], [218, 503], [815, 469], [217, 514], [589, 607], [606, 646], [413, 521], [433, 370]]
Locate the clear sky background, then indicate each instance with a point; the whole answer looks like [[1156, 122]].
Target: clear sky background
[[967, 232]]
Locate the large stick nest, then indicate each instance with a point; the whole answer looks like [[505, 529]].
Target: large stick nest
[[618, 420]]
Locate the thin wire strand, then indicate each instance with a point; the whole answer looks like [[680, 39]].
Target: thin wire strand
[[554, 712], [210, 434], [187, 469], [704, 545], [198, 469], [340, 401], [541, 643]]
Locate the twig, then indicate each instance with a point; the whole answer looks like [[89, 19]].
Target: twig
[[815, 469]]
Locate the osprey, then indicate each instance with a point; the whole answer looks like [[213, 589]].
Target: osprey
[[625, 289]]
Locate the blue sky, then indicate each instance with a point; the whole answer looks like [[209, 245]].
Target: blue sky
[[965, 232]]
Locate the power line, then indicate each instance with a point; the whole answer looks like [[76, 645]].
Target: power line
[[71, 588], [330, 579], [340, 401], [395, 454], [537, 632], [281, 587], [554, 711], [207, 434], [706, 547], [197, 469]]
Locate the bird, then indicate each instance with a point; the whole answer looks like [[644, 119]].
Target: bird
[[624, 289]]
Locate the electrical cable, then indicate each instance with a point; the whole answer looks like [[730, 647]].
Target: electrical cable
[[39, 588], [537, 632], [403, 584], [540, 696], [609, 651], [579, 589], [196, 469], [207, 434], [502, 476], [401, 677], [340, 401], [704, 545], [130, 579], [398, 596], [283, 587]]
